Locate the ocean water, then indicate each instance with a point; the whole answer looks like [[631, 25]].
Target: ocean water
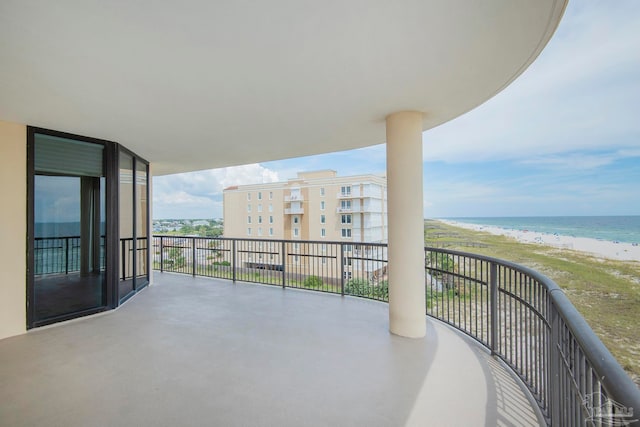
[[611, 228]]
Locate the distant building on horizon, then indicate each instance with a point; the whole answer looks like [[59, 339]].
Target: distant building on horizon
[[317, 205]]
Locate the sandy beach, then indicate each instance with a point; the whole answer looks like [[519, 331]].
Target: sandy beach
[[599, 248]]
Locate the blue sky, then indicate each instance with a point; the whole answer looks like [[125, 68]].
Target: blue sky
[[563, 139]]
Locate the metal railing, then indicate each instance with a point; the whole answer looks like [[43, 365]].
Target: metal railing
[[56, 255], [61, 255], [126, 257], [520, 315]]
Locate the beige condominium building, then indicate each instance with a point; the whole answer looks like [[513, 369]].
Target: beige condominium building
[[315, 206]]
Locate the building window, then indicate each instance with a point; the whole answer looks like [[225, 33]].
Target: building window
[[296, 232], [271, 232], [345, 204], [270, 207], [249, 220], [259, 208], [322, 191], [346, 219], [248, 208], [270, 195], [270, 219], [296, 220], [323, 232], [322, 205], [249, 231], [248, 196], [324, 260], [259, 195], [346, 261], [345, 190], [259, 231], [260, 219], [324, 247], [323, 219], [346, 232], [296, 246]]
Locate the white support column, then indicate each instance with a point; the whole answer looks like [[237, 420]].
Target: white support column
[[406, 225]]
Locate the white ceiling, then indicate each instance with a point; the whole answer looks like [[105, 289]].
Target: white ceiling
[[196, 84]]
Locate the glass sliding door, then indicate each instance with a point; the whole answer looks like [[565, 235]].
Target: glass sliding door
[[133, 223], [142, 223], [127, 247], [67, 251], [87, 225]]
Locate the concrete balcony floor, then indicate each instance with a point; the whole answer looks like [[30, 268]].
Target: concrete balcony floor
[[193, 352]]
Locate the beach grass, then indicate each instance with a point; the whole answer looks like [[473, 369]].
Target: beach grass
[[606, 292]]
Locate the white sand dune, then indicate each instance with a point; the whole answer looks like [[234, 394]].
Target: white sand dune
[[599, 248]]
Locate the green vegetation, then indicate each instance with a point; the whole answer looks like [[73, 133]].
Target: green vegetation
[[312, 282], [605, 292], [363, 288], [175, 258], [212, 228]]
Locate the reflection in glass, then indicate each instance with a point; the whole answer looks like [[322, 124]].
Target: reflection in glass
[[126, 265], [69, 219], [141, 224]]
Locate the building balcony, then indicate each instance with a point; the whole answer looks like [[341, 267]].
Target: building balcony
[[294, 211], [502, 340], [202, 351], [354, 195], [294, 198]]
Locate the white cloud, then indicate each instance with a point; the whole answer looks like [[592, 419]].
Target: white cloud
[[199, 194], [583, 92]]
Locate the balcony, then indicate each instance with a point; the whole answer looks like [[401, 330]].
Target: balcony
[[294, 198], [225, 352], [350, 195], [294, 211], [203, 351]]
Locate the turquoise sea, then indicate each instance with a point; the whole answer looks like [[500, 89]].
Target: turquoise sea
[[611, 228]]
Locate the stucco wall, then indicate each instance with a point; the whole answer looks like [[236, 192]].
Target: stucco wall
[[13, 228]]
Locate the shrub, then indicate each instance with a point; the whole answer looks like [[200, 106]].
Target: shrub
[[312, 282], [363, 288]]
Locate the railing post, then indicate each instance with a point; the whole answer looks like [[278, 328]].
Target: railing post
[[554, 369], [341, 268], [161, 255], [123, 256], [284, 264], [193, 256], [493, 286], [66, 256], [233, 257]]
